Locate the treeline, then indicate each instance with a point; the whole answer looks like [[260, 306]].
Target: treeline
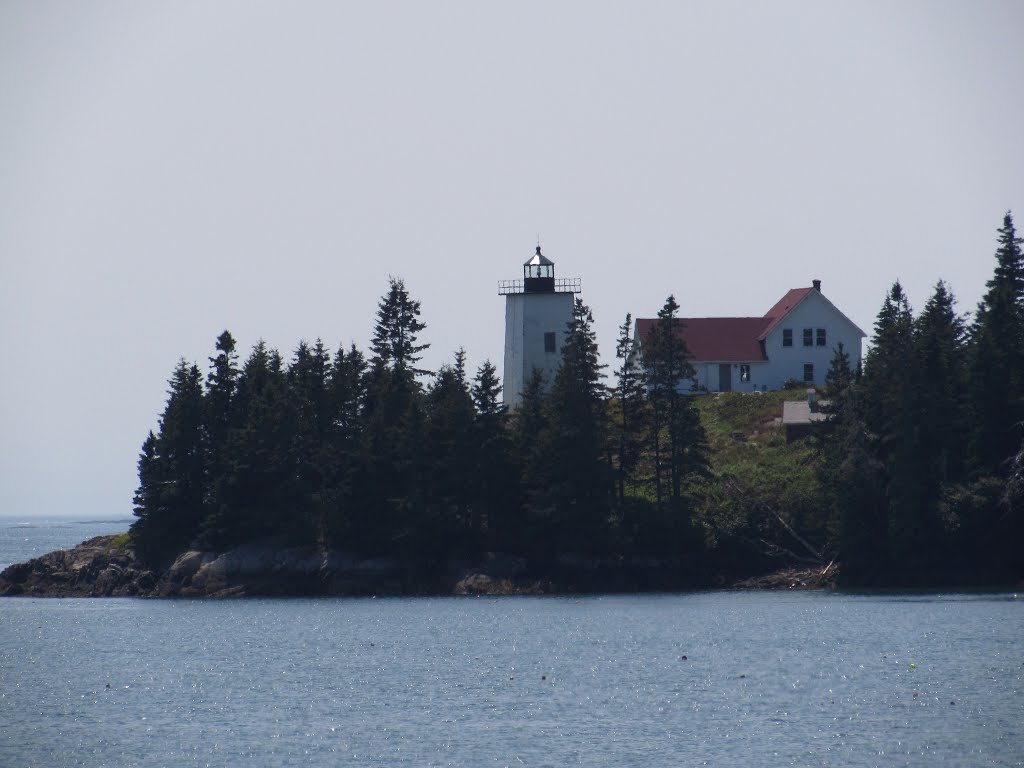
[[916, 475], [921, 461], [357, 452]]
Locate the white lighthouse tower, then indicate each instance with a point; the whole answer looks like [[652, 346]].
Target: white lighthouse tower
[[538, 309]]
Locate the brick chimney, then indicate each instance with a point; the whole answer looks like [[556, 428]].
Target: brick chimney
[[817, 285]]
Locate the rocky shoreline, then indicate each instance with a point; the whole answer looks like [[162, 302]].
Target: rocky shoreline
[[105, 566]]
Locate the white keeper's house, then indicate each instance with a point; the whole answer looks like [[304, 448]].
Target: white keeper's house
[[795, 339]]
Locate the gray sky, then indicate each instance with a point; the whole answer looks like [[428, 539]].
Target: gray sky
[[169, 170]]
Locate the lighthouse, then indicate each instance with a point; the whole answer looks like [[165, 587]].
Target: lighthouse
[[538, 310]]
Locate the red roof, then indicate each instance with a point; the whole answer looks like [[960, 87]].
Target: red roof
[[729, 339], [774, 315]]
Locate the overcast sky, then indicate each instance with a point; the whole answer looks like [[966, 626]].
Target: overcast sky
[[169, 170]]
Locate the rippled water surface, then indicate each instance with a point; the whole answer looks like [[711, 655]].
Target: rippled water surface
[[768, 679]]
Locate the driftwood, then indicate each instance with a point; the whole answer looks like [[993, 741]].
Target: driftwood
[[776, 549]]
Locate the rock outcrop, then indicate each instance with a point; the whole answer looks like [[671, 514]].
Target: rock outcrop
[[106, 567], [99, 567]]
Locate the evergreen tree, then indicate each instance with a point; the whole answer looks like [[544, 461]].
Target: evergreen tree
[[146, 533], [450, 460], [891, 416], [940, 365], [347, 390], [259, 487], [840, 374], [629, 400], [219, 416], [578, 476], [397, 330], [495, 487], [529, 428], [311, 456], [852, 478], [395, 463], [678, 438], [997, 359], [169, 502]]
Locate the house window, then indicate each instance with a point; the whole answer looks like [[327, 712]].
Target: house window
[[787, 337], [809, 372], [549, 341], [744, 373], [808, 337], [820, 339]]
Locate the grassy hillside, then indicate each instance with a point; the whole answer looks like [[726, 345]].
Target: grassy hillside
[[758, 477]]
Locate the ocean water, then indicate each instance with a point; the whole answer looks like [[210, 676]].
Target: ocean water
[[768, 679]]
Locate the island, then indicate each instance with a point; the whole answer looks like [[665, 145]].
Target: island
[[363, 473]]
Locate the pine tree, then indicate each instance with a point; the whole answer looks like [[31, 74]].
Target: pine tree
[[259, 485], [997, 359], [629, 399], [890, 408], [852, 478], [840, 375], [347, 391], [395, 463], [575, 437], [530, 425], [169, 502], [941, 367], [219, 416], [311, 459], [677, 435], [397, 330], [450, 460], [495, 486]]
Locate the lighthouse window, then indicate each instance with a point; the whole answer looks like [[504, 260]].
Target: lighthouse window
[[549, 341]]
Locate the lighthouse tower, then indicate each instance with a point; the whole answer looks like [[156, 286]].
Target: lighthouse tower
[[538, 309]]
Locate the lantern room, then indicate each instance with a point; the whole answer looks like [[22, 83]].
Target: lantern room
[[539, 274]]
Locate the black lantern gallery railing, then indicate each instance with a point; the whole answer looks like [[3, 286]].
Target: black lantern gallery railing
[[561, 285]]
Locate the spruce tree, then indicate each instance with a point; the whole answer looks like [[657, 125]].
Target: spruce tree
[[677, 435], [578, 477], [890, 413], [450, 462], [219, 417], [169, 502], [310, 456], [347, 391], [396, 333], [259, 485], [997, 360], [940, 363], [395, 462], [629, 403], [495, 486], [530, 424]]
